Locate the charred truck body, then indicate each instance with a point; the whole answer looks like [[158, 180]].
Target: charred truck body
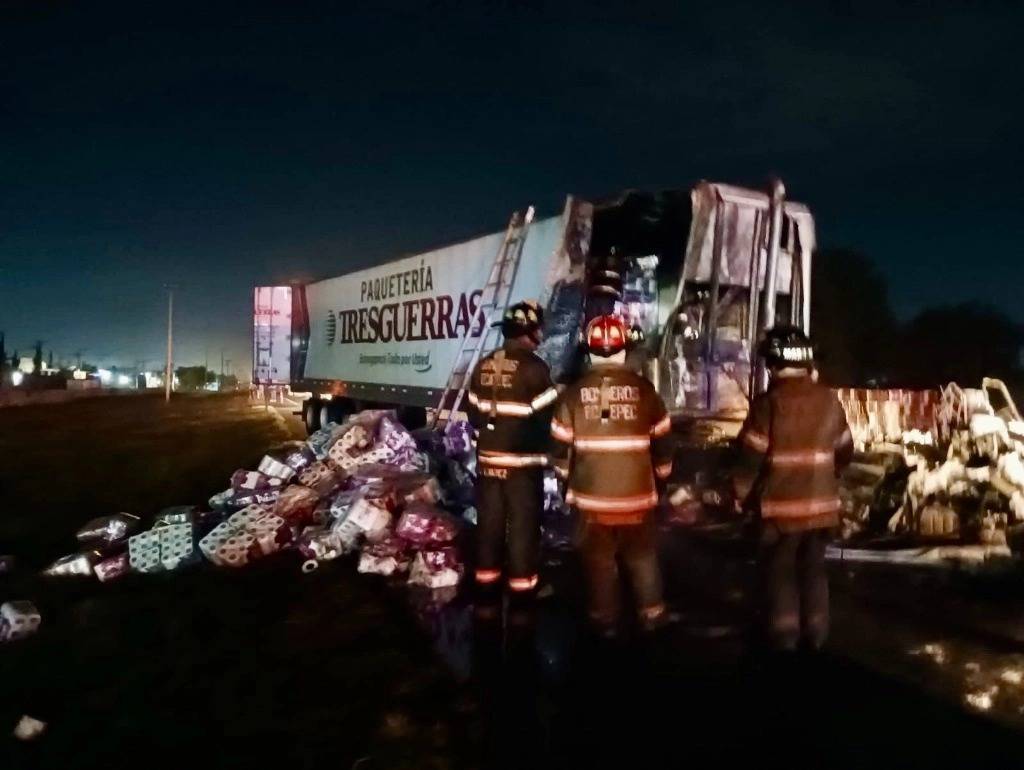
[[696, 274]]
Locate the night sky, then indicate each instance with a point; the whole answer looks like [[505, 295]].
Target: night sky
[[224, 148]]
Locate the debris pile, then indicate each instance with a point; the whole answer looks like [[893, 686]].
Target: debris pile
[[942, 468], [367, 485]]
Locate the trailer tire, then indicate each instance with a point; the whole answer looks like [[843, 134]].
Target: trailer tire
[[311, 415], [337, 410]]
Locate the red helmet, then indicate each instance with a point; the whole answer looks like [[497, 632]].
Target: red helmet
[[606, 335]]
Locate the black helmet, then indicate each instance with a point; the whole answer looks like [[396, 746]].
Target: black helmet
[[785, 346], [524, 318]]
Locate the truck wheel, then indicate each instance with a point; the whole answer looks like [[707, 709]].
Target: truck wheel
[[311, 415], [335, 410]]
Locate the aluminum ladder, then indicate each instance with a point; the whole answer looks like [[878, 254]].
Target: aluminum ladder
[[494, 300]]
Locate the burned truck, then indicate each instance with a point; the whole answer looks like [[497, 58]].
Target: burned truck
[[697, 274]]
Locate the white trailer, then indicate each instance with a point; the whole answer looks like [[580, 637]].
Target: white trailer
[[389, 335]]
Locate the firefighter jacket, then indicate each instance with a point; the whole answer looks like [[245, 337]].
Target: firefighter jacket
[[511, 398], [793, 446], [612, 439]]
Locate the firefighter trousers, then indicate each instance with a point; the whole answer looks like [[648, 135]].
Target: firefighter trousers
[[794, 587], [603, 546], [509, 506]]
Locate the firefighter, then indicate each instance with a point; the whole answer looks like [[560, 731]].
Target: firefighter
[[793, 445], [613, 448], [511, 398]]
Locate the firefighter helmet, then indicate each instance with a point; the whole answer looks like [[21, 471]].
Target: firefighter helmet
[[606, 335], [524, 318], [785, 346]]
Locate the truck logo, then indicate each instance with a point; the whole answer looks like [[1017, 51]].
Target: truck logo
[[331, 327]]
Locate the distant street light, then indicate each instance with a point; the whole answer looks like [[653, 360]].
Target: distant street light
[[168, 374]]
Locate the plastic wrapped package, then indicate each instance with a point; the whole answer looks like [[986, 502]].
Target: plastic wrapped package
[[354, 435], [377, 473], [254, 481], [73, 565], [429, 492], [176, 545], [445, 557], [436, 569], [296, 504], [429, 440], [161, 548], [235, 550], [385, 557], [215, 538], [395, 483], [221, 500], [423, 524], [350, 437], [271, 533], [143, 552], [112, 568], [320, 441], [346, 534], [368, 421], [382, 494], [321, 544], [176, 514], [321, 478], [378, 454], [418, 461], [107, 530], [322, 512], [369, 515], [299, 457], [457, 442], [417, 488], [556, 521], [18, 620], [342, 502], [343, 458], [248, 515], [370, 564], [392, 434], [242, 497], [272, 466]]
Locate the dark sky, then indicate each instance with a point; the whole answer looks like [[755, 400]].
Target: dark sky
[[257, 143]]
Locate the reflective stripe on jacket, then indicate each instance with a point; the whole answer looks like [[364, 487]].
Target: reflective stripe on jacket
[[510, 400], [793, 446], [612, 441]]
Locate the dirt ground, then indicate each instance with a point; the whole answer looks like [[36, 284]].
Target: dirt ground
[[266, 667]]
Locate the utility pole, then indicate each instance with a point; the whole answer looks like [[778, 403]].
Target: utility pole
[[169, 373]]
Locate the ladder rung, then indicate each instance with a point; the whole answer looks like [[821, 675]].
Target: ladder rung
[[495, 296]]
